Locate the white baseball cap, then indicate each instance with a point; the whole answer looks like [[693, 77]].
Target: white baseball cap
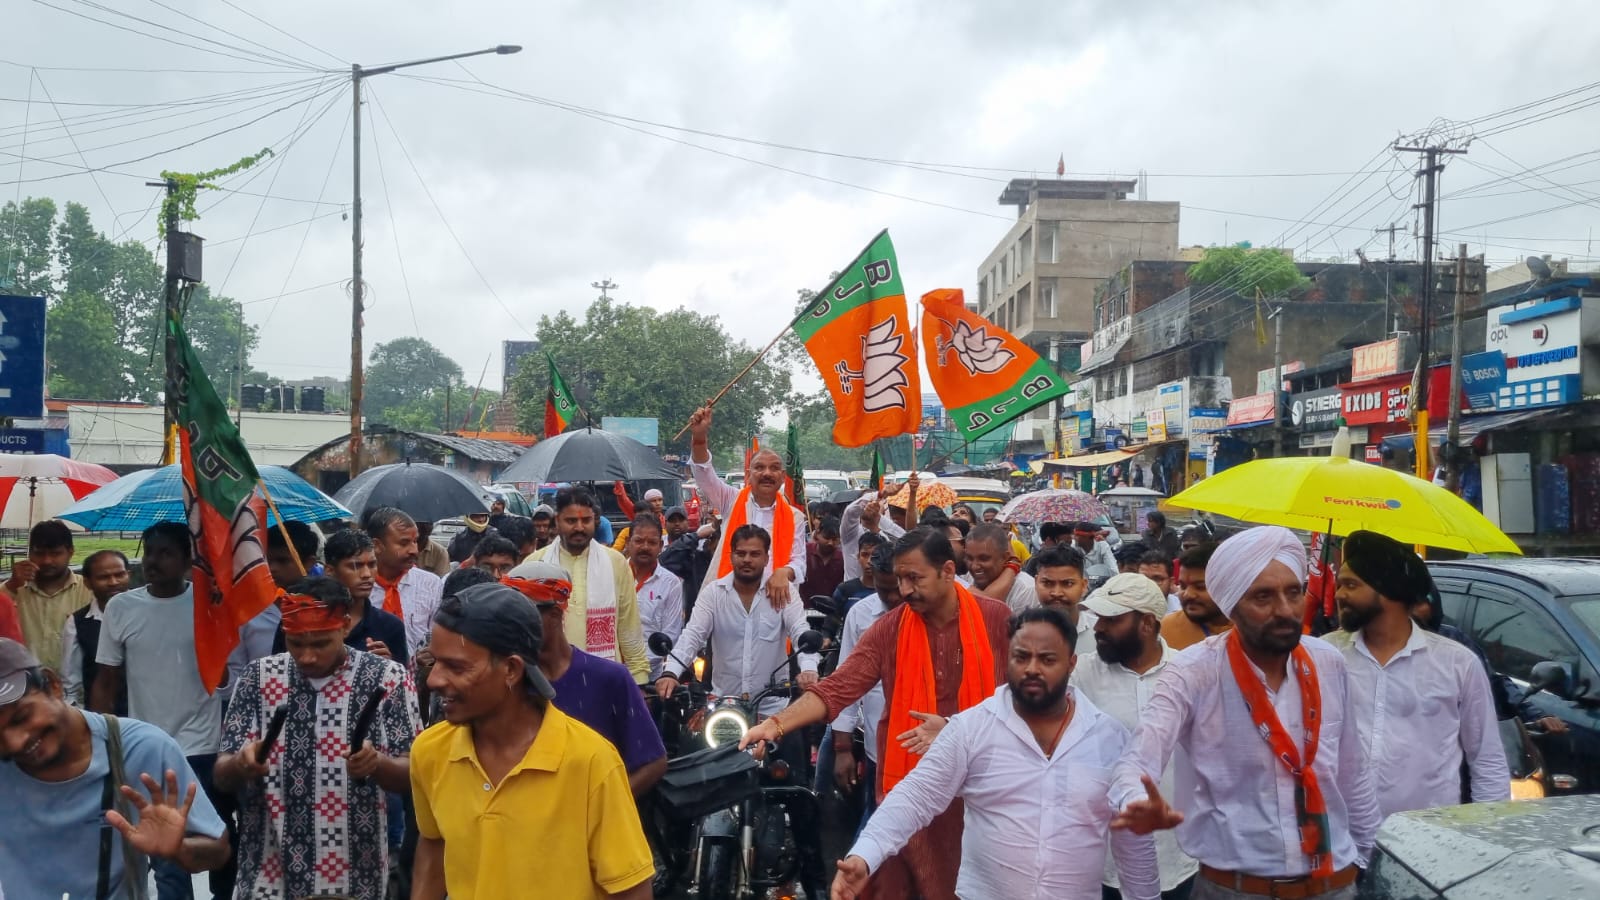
[[652, 494], [1125, 593]]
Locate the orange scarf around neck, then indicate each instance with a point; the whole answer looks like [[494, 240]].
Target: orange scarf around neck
[[391, 595], [914, 687], [1311, 809], [782, 531]]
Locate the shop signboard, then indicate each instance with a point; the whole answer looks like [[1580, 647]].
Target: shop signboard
[[1376, 402], [1264, 377], [1139, 430], [1375, 360], [1542, 358], [1317, 410], [1156, 423], [1169, 397], [1254, 408], [1482, 376], [1202, 426]]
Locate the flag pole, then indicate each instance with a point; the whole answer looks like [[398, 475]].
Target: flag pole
[[282, 528], [743, 372]]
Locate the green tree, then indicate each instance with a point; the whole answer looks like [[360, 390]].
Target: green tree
[[401, 376], [85, 353], [25, 247], [629, 360], [1242, 269]]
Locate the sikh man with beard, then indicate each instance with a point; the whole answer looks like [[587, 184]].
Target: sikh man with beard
[[1276, 796], [942, 651], [1119, 677], [1199, 618], [1412, 688], [1037, 819], [294, 840], [760, 502]]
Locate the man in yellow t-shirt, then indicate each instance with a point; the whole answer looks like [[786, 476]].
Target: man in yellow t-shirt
[[507, 771]]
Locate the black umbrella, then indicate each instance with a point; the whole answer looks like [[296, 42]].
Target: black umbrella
[[849, 496], [425, 492], [589, 454]]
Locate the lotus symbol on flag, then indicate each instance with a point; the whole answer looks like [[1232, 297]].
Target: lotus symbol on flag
[[882, 376], [978, 352]]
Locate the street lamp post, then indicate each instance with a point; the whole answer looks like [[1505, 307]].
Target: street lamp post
[[357, 73]]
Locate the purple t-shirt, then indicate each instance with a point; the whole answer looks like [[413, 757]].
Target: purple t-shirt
[[602, 695]]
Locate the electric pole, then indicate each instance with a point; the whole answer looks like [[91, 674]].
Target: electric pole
[[1277, 381], [169, 316], [357, 73], [1429, 172], [1468, 278], [1391, 232], [604, 286]]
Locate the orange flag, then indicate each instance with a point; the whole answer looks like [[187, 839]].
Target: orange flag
[[984, 376], [858, 332]]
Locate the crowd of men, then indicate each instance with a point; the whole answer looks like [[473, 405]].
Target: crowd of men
[[1021, 713]]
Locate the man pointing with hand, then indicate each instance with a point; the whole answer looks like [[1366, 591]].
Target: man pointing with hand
[[759, 502]]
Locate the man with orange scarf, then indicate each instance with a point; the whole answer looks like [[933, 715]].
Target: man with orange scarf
[[943, 651], [1264, 714], [408, 590], [759, 502]]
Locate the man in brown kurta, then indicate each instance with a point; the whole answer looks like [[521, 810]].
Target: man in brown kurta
[[925, 568]]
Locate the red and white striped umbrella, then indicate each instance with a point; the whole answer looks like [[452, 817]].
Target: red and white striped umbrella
[[38, 487]]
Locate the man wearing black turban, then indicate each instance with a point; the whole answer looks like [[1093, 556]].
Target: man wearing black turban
[[1422, 701]]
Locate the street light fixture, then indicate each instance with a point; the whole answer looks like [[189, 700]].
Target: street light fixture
[[357, 73]]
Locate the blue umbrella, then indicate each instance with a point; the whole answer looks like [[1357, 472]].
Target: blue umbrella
[[135, 502]]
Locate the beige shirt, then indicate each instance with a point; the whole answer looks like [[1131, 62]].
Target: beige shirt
[[433, 558], [630, 634], [43, 615]]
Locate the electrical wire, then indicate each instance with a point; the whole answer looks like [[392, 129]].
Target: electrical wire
[[254, 58], [388, 205], [446, 222], [191, 17], [237, 8], [295, 261]]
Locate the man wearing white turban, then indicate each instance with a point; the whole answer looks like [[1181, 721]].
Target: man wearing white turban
[[1274, 793]]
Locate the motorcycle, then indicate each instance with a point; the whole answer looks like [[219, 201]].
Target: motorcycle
[[826, 618], [750, 817]]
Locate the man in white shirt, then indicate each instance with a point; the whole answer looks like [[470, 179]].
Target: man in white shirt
[[409, 591], [1033, 765], [106, 574], [1099, 556], [867, 712], [1156, 567], [745, 633], [988, 553], [147, 635], [1119, 677], [757, 503], [659, 591], [863, 515], [1413, 689], [1273, 784], [1061, 583]]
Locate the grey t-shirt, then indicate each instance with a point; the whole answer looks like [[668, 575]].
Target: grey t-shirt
[[153, 641]]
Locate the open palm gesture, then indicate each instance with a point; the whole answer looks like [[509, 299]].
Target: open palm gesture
[[163, 821]]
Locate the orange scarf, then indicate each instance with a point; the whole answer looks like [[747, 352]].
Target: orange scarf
[[782, 531], [914, 688], [391, 595], [1310, 808]]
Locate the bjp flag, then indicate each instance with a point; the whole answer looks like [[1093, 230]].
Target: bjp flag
[[858, 332], [984, 376]]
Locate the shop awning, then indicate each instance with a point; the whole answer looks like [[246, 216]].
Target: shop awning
[[1098, 460], [1472, 426], [1104, 356], [1243, 425]]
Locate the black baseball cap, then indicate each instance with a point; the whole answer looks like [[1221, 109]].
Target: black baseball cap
[[16, 661], [676, 512], [502, 621]]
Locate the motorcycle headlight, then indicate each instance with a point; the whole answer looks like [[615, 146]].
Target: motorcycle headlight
[[700, 668], [725, 726]]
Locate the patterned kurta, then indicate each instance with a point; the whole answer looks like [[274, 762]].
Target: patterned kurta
[[308, 827]]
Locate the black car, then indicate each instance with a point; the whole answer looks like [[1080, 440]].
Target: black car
[[1518, 848], [1538, 622]]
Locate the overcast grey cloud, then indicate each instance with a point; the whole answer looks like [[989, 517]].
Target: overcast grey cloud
[[546, 199]]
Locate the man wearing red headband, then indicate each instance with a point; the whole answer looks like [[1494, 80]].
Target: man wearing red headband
[[313, 740]]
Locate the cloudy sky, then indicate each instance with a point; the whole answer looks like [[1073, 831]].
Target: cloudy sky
[[722, 155]]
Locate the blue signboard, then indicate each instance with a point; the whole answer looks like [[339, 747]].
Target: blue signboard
[[644, 430], [1482, 376], [21, 356], [22, 440]]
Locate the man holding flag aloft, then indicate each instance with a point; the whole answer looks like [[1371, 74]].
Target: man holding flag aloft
[[760, 502]]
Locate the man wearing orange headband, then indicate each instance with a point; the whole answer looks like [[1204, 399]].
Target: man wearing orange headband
[[313, 816]]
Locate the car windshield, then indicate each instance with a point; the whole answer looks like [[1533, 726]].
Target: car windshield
[[1587, 611], [833, 485]]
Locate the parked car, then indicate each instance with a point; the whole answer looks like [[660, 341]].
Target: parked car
[[1538, 622], [979, 493], [516, 502], [824, 483], [1534, 848]]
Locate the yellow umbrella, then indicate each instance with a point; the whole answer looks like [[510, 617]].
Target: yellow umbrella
[[1337, 495]]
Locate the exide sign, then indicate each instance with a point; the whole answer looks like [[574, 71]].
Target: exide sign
[[1376, 402]]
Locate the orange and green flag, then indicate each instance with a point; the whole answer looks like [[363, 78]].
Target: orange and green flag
[[983, 376], [227, 517], [559, 404], [858, 332]]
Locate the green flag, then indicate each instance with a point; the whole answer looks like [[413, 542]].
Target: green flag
[[875, 479], [559, 407], [791, 464]]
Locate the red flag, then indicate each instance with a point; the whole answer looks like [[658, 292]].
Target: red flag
[[1061, 165]]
